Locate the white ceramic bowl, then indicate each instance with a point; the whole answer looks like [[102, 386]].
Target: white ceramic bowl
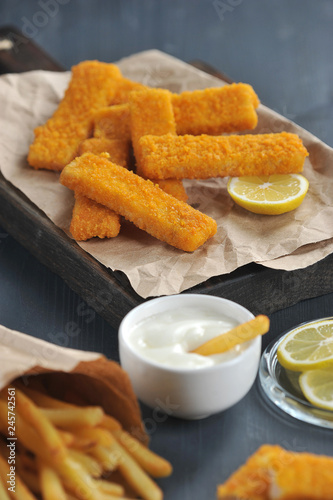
[[189, 393]]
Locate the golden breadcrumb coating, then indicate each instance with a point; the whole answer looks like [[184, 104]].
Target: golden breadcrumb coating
[[273, 473], [113, 122], [138, 200], [123, 90], [151, 113], [204, 156], [119, 150], [91, 87], [173, 187], [90, 219], [216, 110]]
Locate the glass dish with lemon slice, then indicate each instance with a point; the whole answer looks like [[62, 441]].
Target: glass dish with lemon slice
[[296, 372]]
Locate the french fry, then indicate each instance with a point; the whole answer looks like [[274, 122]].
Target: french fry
[[135, 476], [21, 492], [236, 336], [52, 449], [205, 156], [66, 437], [3, 491], [87, 462], [50, 483], [110, 423], [73, 418], [152, 463], [40, 424], [110, 488], [27, 469], [86, 437], [65, 465], [25, 434], [139, 201], [106, 456]]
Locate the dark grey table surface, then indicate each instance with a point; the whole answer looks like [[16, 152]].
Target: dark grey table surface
[[284, 49]]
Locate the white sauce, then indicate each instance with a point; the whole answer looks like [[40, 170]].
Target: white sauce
[[166, 338]]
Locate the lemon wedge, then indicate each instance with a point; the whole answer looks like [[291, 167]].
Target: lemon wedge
[[269, 194], [308, 347], [317, 387]]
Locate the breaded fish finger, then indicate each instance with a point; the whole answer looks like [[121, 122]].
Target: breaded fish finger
[[91, 87], [139, 201], [113, 122], [118, 149], [91, 219], [275, 473], [123, 90], [151, 112], [216, 110], [204, 156]]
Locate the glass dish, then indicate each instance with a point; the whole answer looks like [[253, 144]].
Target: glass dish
[[280, 386]]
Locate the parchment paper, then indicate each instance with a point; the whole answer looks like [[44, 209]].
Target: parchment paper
[[89, 375], [20, 353], [289, 241]]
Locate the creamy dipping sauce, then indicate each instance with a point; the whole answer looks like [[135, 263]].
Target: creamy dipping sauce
[[166, 338]]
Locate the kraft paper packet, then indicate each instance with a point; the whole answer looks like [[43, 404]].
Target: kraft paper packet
[[89, 375], [289, 241]]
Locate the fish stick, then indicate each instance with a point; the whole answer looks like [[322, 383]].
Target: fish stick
[[91, 87], [139, 200], [90, 219], [151, 112], [123, 90], [213, 111], [113, 122], [118, 149], [210, 111], [204, 156], [112, 135], [273, 473], [173, 187]]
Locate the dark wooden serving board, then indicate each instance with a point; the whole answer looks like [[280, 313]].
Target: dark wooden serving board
[[260, 289]]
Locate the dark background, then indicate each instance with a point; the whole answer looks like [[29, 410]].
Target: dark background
[[284, 49]]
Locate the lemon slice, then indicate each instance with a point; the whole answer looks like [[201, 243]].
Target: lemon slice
[[308, 347], [269, 194], [317, 387]]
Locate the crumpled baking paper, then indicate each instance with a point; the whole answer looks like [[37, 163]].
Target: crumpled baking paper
[[288, 241], [93, 378]]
